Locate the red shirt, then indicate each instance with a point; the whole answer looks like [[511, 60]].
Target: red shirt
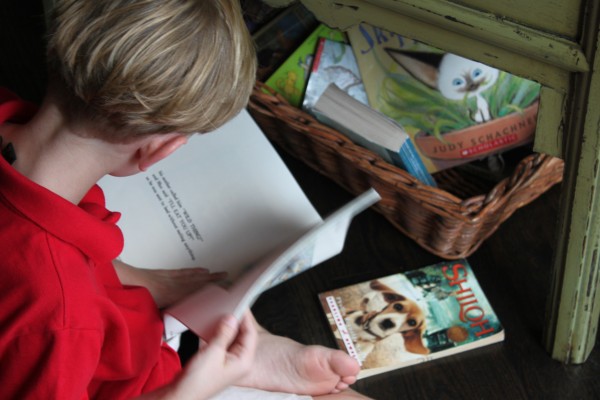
[[68, 328]]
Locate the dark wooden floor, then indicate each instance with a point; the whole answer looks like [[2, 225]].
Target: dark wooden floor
[[512, 267]]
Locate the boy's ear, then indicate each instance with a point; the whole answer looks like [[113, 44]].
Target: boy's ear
[[159, 147]]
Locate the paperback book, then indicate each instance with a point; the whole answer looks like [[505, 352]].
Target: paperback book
[[291, 77], [456, 110], [226, 202], [411, 317], [334, 62], [371, 130]]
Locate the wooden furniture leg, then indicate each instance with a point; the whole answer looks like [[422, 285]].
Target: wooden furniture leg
[[574, 306]]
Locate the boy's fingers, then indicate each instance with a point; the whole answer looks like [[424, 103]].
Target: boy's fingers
[[250, 335], [249, 327], [226, 332], [245, 342]]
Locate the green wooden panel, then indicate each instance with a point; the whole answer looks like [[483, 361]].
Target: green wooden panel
[[484, 27], [574, 312], [550, 127], [494, 29], [557, 16]]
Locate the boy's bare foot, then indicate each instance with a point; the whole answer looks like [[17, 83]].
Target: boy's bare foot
[[287, 366]]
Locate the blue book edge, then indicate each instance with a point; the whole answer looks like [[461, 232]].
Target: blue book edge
[[413, 164]]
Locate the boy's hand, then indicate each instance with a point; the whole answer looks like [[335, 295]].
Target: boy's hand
[[225, 359], [217, 365], [166, 286]]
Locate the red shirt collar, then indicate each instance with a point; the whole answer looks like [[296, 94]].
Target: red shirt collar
[[88, 226]]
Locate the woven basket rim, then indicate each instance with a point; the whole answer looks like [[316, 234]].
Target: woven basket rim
[[533, 175]]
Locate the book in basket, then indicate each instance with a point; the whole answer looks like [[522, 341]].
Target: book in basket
[[411, 317], [226, 202], [455, 109], [289, 80], [370, 129], [334, 62]]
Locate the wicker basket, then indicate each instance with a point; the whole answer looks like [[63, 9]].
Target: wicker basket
[[450, 221]]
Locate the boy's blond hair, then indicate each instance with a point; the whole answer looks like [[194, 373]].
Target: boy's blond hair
[[137, 67]]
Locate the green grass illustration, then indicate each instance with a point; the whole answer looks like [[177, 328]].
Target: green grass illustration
[[411, 103]]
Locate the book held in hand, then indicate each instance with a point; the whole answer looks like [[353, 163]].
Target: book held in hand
[[202, 310], [411, 317], [370, 129], [226, 202]]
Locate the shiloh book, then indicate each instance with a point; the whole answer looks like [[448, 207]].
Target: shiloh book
[[411, 317], [370, 129], [291, 77], [334, 62], [227, 202], [456, 110]]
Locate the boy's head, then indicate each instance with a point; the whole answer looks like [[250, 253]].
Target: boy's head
[[137, 67]]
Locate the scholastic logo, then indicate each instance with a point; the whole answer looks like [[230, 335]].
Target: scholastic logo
[[489, 146]]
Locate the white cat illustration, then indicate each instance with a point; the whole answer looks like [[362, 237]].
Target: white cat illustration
[[455, 77]]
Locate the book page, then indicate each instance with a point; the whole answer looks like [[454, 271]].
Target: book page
[[221, 201]]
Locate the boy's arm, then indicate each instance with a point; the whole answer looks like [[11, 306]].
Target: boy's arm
[[166, 286]]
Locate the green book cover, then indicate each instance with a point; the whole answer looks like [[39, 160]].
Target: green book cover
[[411, 317], [455, 109], [290, 78]]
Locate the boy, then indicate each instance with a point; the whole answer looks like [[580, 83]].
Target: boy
[[129, 81]]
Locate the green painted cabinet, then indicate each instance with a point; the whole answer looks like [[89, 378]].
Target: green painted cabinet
[[554, 42]]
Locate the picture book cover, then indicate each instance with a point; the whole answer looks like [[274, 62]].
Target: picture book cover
[[277, 39], [457, 110], [334, 62], [290, 78], [411, 317]]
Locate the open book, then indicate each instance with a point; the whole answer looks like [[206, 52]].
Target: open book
[[227, 202]]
